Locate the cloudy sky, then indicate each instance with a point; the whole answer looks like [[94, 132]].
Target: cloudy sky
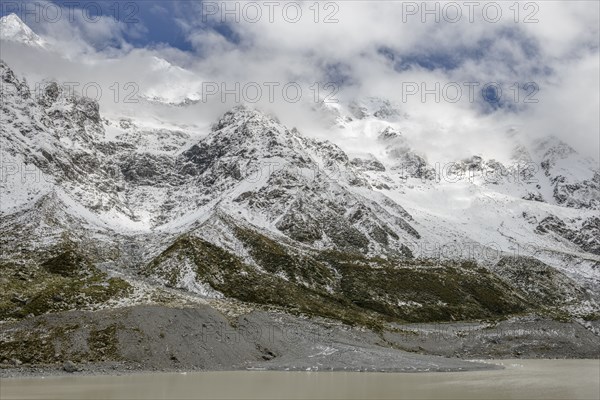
[[539, 61]]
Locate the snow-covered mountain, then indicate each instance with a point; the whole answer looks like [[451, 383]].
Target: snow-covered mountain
[[12, 28], [254, 204], [171, 84]]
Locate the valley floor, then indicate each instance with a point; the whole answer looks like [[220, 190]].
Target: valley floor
[[159, 338]]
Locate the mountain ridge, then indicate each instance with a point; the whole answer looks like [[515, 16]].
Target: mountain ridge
[[286, 210]]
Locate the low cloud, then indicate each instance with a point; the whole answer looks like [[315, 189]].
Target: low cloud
[[375, 49]]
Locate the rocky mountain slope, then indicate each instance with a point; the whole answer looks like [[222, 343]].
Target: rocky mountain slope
[[253, 210], [129, 236]]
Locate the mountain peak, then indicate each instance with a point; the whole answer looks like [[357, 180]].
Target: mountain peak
[[376, 107], [252, 120], [12, 19], [553, 147], [13, 29], [389, 134]]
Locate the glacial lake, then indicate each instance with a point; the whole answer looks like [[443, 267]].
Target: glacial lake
[[522, 379]]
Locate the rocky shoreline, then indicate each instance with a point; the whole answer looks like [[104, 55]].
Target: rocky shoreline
[[143, 339]]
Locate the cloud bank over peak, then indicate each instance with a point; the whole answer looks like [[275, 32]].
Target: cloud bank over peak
[[463, 82]]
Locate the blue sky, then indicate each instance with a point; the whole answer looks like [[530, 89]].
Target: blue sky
[[148, 23], [157, 19]]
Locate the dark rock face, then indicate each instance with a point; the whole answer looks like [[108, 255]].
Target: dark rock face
[[407, 163], [584, 194], [147, 169], [50, 94], [368, 165], [202, 156], [534, 197], [413, 166], [539, 282], [302, 228], [587, 237], [568, 190]]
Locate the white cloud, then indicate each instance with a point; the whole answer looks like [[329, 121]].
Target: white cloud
[[559, 53]]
